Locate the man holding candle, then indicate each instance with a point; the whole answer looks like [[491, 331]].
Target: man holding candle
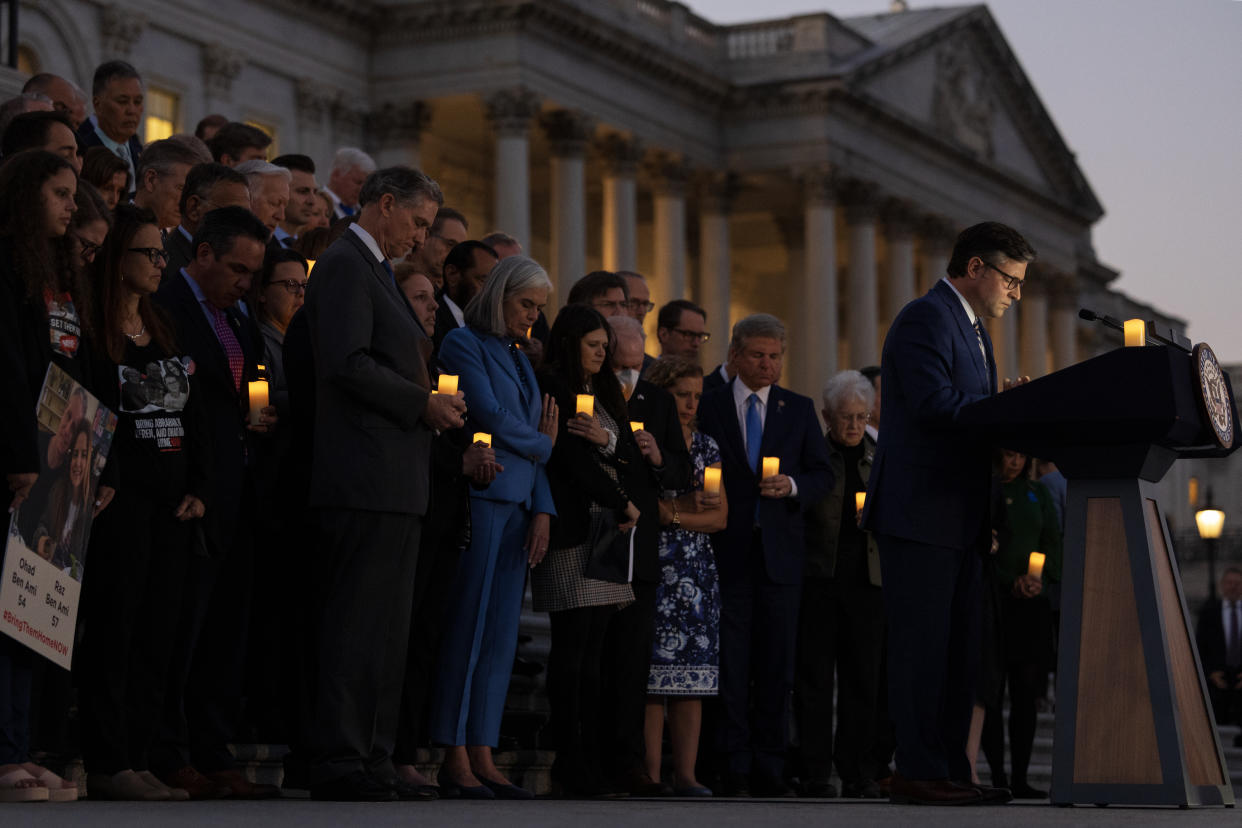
[[208, 659], [929, 507], [374, 419], [761, 552]]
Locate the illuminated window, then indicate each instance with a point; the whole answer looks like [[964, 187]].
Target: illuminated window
[[271, 132], [27, 61], [161, 114]]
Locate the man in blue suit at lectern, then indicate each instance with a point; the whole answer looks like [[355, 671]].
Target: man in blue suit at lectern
[[928, 506]]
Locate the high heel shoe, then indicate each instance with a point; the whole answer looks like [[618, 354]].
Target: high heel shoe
[[451, 790], [506, 790]]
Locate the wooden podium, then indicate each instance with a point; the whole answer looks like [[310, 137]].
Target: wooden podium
[[1134, 723]]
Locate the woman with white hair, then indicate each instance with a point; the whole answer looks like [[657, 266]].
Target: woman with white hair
[[841, 625], [510, 521]]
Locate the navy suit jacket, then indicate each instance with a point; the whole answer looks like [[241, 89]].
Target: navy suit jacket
[[88, 137], [791, 432], [930, 481], [501, 404]]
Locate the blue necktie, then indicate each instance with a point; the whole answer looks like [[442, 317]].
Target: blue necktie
[[754, 432], [391, 275]]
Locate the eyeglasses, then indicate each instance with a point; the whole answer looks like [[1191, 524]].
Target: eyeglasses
[[701, 336], [638, 305], [605, 305], [154, 254], [853, 418], [1011, 282], [292, 285], [89, 248]]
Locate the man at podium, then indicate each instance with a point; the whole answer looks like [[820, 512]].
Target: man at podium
[[928, 506]]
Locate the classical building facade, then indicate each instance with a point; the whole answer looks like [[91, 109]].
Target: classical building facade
[[814, 167]]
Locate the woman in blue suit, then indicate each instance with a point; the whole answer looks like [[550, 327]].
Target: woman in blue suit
[[510, 521]]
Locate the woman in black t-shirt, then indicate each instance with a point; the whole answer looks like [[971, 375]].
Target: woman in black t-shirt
[[140, 546]]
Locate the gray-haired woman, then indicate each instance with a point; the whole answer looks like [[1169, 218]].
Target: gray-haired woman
[[509, 525], [842, 616]]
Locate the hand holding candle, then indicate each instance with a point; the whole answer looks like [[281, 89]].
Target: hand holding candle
[[258, 400], [860, 500], [482, 437], [1036, 565], [771, 467], [636, 425], [586, 405], [447, 384], [711, 481]]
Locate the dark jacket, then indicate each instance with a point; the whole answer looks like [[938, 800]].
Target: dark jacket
[[823, 520], [655, 409]]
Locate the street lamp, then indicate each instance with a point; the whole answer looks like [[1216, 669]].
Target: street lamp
[[1210, 521]]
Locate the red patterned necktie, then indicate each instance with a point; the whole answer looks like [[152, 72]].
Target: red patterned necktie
[[232, 348]]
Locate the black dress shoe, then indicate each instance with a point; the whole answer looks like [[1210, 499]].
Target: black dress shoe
[[733, 784], [1022, 790], [770, 787], [356, 786], [640, 783], [451, 790], [506, 790], [818, 789], [866, 789], [932, 792], [411, 793]]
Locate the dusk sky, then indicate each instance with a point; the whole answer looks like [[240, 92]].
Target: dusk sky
[[1148, 95]]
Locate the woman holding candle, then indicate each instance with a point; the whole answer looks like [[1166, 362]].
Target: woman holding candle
[[586, 465], [1025, 617], [140, 545], [511, 507], [685, 661], [841, 624], [44, 299]]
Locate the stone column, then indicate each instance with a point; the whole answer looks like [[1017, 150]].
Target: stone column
[[1034, 316], [861, 208], [936, 240], [1064, 316], [221, 64], [669, 175], [510, 112], [898, 217], [567, 139], [716, 192], [314, 105], [394, 132], [1004, 333], [620, 154], [819, 278]]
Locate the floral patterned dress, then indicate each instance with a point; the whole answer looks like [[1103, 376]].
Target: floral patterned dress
[[685, 658]]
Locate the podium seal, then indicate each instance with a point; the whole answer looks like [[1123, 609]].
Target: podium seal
[[1213, 395]]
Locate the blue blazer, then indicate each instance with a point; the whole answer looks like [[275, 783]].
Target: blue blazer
[[499, 403], [930, 480], [791, 432]]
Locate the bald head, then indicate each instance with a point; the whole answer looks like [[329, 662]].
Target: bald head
[[628, 353], [65, 95]]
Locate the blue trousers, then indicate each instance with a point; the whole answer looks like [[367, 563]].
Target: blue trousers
[[481, 627], [932, 600], [15, 680]]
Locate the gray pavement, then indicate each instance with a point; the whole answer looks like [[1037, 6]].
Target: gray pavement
[[721, 813]]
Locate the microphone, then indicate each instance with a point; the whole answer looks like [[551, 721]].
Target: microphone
[[1092, 316]]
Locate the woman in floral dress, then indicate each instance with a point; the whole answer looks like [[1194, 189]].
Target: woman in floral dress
[[685, 659]]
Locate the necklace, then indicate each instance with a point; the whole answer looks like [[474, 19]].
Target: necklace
[[137, 336]]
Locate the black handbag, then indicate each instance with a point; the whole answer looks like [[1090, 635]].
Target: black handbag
[[612, 551]]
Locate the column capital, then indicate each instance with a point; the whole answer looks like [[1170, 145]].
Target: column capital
[[568, 132], [313, 100], [121, 27], [899, 216], [717, 189], [820, 185], [862, 201], [511, 110], [620, 153], [670, 172], [397, 122], [936, 232], [221, 64]]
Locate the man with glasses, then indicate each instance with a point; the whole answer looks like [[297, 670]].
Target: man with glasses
[[681, 328], [207, 187], [448, 230], [603, 290], [640, 303], [928, 507]]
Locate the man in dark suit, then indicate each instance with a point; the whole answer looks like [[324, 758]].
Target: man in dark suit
[[466, 268], [718, 376], [760, 554], [116, 94], [630, 631], [207, 187], [374, 420], [1219, 637], [928, 505], [205, 684]]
